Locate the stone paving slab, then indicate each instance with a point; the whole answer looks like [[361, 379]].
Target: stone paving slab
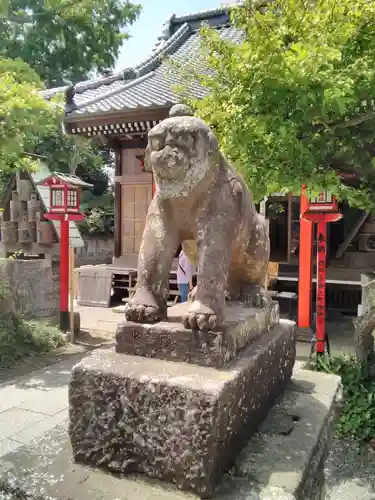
[[99, 319], [29, 434], [8, 445], [31, 405], [46, 379], [12, 395], [15, 420], [48, 403]]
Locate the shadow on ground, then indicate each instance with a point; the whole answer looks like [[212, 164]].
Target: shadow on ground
[[340, 332], [51, 370]]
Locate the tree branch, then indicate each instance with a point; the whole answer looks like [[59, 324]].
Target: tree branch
[[370, 115], [357, 120]]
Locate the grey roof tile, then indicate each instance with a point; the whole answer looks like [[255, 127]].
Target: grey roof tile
[[157, 90], [71, 179], [150, 84]]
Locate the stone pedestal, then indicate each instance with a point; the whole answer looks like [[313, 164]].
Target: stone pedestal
[[284, 460], [170, 341], [176, 421]]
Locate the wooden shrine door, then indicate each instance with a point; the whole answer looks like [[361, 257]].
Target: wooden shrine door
[[136, 199]]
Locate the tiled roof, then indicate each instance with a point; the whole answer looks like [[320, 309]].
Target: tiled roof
[[70, 179], [150, 84]]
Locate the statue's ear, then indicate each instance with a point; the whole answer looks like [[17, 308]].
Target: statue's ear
[[147, 161], [214, 143]]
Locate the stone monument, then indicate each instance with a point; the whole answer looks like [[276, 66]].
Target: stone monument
[[187, 387]]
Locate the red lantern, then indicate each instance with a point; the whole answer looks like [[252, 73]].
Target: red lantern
[[323, 208], [64, 207], [64, 195]]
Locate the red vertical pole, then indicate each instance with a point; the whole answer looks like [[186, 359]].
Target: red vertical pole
[[305, 265], [64, 274], [321, 287]]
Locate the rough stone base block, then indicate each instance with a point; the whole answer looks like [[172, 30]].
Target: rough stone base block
[[283, 461], [175, 421], [171, 341]]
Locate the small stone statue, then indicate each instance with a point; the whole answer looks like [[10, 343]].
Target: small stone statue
[[200, 197]]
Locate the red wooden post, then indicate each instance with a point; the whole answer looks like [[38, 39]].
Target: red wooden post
[[322, 209], [64, 274], [305, 265], [321, 287]]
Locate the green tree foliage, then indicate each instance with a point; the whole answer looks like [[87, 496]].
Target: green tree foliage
[[25, 116], [75, 154], [357, 416], [65, 40], [55, 42], [293, 103]]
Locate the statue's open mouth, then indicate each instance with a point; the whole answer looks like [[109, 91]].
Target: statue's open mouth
[[167, 157]]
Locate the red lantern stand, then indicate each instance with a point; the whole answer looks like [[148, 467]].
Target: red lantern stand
[[64, 207], [321, 210]]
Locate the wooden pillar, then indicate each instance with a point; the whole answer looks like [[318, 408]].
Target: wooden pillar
[[117, 192], [305, 265]]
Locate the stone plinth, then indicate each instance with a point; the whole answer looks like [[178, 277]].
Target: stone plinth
[[175, 421], [284, 460], [34, 292], [171, 341]]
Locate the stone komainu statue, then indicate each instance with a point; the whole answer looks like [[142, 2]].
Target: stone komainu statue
[[199, 197]]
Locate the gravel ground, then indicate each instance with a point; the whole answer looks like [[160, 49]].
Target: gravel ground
[[350, 472]]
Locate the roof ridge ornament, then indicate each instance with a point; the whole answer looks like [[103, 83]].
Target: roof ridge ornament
[[166, 33], [130, 74], [69, 96]]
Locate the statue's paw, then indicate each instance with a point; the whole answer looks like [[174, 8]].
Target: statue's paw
[[200, 317], [261, 299], [192, 294], [141, 313], [255, 296], [142, 308]]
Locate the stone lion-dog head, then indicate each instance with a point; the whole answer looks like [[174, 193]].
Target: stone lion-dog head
[[182, 153]]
